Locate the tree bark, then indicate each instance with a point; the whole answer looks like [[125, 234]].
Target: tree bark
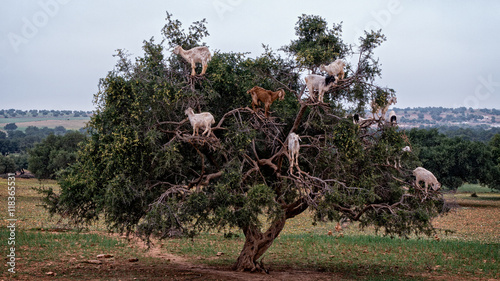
[[257, 243]]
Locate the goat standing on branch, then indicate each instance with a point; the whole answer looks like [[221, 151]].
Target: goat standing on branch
[[335, 68], [293, 150], [195, 55], [421, 174], [319, 83], [200, 120], [266, 96]]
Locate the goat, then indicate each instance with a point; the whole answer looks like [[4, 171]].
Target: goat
[[355, 118], [200, 120], [393, 118], [335, 68], [293, 149], [383, 110], [427, 177], [362, 122], [265, 96], [320, 83], [195, 55]]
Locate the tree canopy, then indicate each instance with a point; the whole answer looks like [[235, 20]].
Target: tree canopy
[[53, 154], [456, 161], [142, 168]]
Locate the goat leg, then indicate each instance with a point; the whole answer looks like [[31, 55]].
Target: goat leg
[[193, 66]]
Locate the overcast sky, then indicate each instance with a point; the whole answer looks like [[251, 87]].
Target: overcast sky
[[437, 53]]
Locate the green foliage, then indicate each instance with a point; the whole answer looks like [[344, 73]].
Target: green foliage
[[10, 127], [54, 154], [316, 43], [7, 165], [175, 35], [455, 161], [495, 148]]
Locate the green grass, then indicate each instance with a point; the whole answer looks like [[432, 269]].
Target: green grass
[[38, 246], [357, 255], [471, 188], [363, 255]]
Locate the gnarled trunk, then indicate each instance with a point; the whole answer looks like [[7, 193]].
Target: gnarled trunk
[[256, 244]]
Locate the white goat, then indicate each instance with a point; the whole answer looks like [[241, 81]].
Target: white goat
[[393, 118], [200, 120], [195, 55], [335, 68], [293, 149], [427, 177], [319, 83]]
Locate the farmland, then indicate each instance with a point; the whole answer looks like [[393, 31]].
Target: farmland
[[69, 123], [466, 247]]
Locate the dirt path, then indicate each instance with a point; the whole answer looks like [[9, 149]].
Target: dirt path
[[221, 273]]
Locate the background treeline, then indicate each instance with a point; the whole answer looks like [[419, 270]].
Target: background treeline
[[476, 133], [440, 115], [458, 155], [12, 113], [43, 151]]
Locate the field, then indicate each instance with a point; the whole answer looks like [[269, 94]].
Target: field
[[467, 247], [70, 123]]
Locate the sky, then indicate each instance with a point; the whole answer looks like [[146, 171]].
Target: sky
[[437, 53]]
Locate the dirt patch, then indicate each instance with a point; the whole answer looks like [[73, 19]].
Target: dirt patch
[[475, 219], [67, 124]]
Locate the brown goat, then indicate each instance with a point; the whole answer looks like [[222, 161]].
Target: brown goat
[[266, 96]]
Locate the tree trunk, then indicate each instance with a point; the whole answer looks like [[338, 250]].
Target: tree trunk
[[256, 244]]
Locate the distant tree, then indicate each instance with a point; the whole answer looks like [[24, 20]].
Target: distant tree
[[21, 160], [495, 148], [436, 117], [54, 154], [7, 165], [454, 161], [59, 130], [493, 119], [8, 146], [10, 127]]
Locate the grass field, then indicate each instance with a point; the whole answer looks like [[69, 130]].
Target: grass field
[[70, 123], [50, 250]]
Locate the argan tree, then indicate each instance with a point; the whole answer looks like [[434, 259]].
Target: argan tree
[[145, 172]]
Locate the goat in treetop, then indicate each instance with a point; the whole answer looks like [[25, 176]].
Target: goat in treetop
[[195, 55]]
